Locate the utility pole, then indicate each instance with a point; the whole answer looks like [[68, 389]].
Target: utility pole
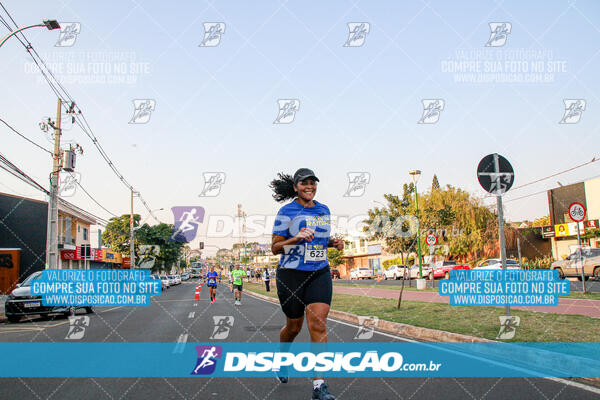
[[52, 229], [131, 234]]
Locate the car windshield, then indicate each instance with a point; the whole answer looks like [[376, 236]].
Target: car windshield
[[449, 263], [27, 282], [512, 262], [171, 277], [364, 269]]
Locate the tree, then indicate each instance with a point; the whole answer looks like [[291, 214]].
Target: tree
[[542, 221], [395, 223], [335, 256], [117, 233], [170, 251], [435, 184]]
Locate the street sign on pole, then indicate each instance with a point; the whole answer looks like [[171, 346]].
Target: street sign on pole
[[496, 176], [431, 239], [577, 213]]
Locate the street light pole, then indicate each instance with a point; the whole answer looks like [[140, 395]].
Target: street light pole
[[52, 229], [51, 24], [415, 176]]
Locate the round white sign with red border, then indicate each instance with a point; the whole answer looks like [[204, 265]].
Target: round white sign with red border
[[577, 212], [431, 239]]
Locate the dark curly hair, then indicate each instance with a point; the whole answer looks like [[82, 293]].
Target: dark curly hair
[[283, 188]]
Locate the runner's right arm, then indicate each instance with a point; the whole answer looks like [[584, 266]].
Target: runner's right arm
[[279, 241]]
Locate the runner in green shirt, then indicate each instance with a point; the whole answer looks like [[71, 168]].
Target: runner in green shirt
[[237, 275]]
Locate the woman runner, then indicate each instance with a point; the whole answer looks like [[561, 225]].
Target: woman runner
[[301, 235]]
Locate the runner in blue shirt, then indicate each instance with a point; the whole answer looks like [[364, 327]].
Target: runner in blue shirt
[[211, 282], [301, 234]]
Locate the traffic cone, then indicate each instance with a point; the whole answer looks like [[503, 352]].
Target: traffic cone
[[197, 295]]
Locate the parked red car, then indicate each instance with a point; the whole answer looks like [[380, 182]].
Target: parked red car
[[335, 274], [441, 269]]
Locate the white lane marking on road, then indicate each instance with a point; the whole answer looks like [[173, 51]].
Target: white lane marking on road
[[195, 304], [191, 314], [181, 340], [560, 380]]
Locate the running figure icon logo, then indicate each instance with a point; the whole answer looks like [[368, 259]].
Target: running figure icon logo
[[292, 256], [207, 359], [67, 185], [287, 111], [142, 110], [366, 327], [508, 327], [68, 34], [358, 33], [432, 108], [147, 255], [573, 110], [222, 326], [357, 183], [212, 184], [212, 34], [186, 223], [498, 34], [77, 327]]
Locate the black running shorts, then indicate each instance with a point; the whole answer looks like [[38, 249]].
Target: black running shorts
[[297, 289], [237, 287]]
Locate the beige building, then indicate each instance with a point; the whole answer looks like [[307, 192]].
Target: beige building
[[73, 232], [361, 252]]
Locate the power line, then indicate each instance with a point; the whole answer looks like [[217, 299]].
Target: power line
[[24, 137], [558, 173], [57, 87], [90, 196]]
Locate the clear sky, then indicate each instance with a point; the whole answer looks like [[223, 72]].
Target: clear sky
[[359, 105]]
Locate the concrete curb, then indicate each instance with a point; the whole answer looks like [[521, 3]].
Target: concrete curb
[[396, 328]]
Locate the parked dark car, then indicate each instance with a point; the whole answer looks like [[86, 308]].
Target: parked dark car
[[20, 303], [335, 274]]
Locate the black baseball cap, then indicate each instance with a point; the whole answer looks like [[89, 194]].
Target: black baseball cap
[[304, 173]]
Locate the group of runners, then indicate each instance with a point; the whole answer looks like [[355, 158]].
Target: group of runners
[[301, 235], [235, 276]]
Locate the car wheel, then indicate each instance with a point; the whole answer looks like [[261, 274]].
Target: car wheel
[[89, 310], [597, 273], [585, 278], [13, 318], [561, 274]]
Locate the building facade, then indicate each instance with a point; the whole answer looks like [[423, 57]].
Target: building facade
[[562, 230]]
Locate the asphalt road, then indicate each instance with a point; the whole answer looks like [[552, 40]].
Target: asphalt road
[[176, 317]]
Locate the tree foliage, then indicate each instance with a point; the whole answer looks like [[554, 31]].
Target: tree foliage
[[116, 234], [459, 220], [335, 257]]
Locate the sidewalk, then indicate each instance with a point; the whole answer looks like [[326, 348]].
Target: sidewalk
[[590, 308]]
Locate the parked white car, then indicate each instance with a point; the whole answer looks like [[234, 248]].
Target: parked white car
[[396, 272], [185, 276], [361, 273], [172, 280], [414, 271], [178, 279], [496, 263], [165, 280]]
